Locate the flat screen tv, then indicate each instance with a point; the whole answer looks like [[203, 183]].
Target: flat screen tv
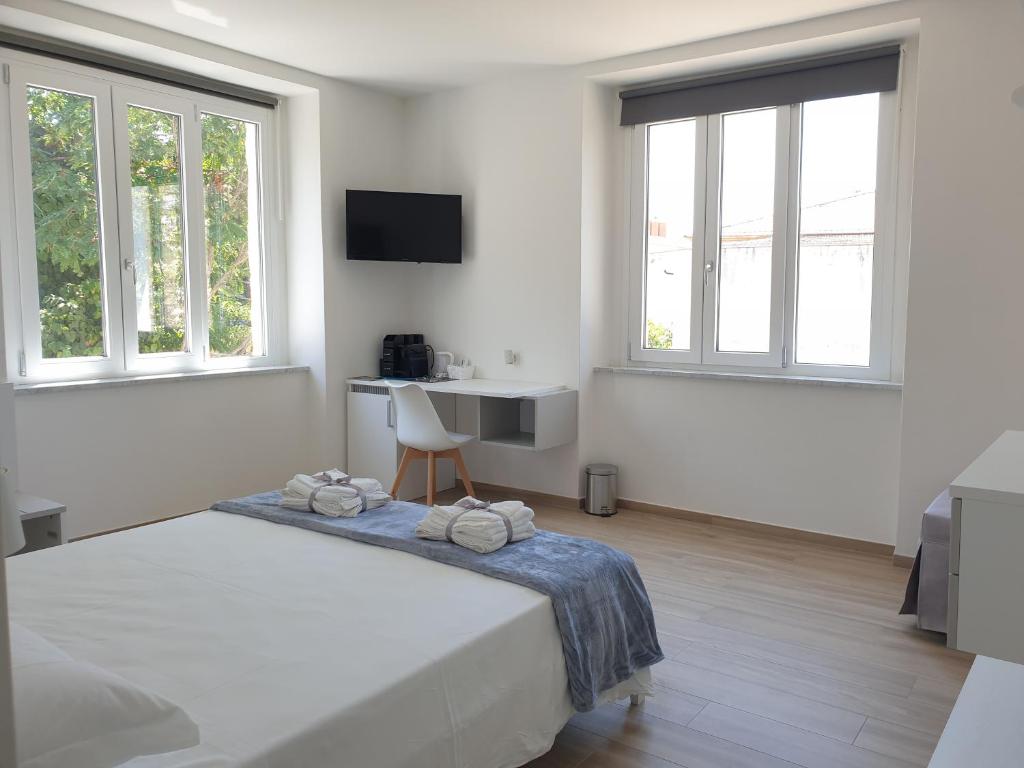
[[403, 226]]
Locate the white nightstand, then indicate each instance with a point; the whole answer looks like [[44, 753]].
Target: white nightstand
[[41, 520]]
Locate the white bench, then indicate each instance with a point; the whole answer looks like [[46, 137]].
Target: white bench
[[933, 584]]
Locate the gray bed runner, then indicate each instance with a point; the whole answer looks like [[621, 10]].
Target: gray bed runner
[[601, 606]]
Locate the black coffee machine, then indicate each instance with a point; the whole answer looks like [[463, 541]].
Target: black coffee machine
[[405, 356]]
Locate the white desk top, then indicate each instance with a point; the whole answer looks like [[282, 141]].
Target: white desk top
[[997, 475], [480, 387], [984, 728]]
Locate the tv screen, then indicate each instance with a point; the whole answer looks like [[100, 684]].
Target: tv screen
[[403, 226]]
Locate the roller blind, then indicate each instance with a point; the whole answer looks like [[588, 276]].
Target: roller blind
[[112, 62], [846, 74]]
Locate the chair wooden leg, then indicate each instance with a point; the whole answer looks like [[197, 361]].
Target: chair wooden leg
[[431, 477], [407, 457], [463, 472]]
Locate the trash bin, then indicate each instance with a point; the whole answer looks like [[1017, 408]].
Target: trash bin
[[601, 489]]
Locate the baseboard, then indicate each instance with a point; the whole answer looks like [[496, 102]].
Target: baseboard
[[550, 499], [764, 529], [130, 527], [568, 502], [659, 509]]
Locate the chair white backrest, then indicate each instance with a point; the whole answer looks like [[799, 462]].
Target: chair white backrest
[[417, 423]]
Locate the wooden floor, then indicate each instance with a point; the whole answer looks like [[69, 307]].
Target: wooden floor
[[778, 653]]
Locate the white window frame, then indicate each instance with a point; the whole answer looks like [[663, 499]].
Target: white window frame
[[28, 296], [780, 358], [112, 93], [193, 231]]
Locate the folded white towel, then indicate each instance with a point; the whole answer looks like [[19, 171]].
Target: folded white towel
[[477, 525], [333, 493]]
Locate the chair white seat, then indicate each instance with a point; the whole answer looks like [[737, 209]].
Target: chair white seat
[[420, 430]]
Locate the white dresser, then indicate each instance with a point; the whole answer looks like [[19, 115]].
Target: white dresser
[[986, 553]]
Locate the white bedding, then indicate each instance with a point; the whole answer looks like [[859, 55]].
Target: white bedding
[[291, 648]]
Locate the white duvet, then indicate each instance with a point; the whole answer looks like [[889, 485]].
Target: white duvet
[[291, 648]]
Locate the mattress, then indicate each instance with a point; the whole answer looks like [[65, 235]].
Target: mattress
[[291, 648]]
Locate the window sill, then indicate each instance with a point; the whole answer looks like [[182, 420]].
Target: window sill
[[160, 378], [814, 381]]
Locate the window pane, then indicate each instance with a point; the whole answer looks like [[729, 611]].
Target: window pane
[[747, 223], [62, 145], [153, 149], [233, 252], [837, 230], [670, 183]]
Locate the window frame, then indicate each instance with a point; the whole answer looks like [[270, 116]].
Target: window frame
[[28, 294], [638, 237], [112, 94], [773, 357], [780, 359], [193, 230]]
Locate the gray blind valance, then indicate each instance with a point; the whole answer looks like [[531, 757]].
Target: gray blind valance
[[112, 62], [846, 74]]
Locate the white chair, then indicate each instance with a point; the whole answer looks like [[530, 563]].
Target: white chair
[[421, 432]]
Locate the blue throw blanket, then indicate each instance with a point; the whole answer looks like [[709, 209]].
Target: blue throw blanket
[[601, 606]]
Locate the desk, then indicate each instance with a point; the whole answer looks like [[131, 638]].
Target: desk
[[480, 387], [519, 415]]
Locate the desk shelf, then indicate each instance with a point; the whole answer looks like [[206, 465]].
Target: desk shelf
[[526, 440], [535, 423]]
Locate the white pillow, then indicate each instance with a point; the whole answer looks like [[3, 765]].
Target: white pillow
[[71, 714]]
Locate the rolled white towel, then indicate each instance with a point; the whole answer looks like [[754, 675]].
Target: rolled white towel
[[435, 524], [304, 485], [478, 526], [333, 493]]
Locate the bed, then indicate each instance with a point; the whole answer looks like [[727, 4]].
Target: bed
[[292, 648]]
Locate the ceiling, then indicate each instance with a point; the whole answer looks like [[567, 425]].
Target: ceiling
[[420, 45]]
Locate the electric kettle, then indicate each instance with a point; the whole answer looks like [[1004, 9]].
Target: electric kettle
[[441, 362]]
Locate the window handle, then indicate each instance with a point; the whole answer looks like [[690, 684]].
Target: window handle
[[129, 265], [709, 267]]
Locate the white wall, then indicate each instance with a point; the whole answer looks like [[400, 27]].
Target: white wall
[[361, 145], [965, 369], [304, 246], [512, 149], [119, 456], [842, 461], [540, 154], [602, 308], [124, 455], [813, 458]]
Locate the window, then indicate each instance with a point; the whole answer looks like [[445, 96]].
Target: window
[[758, 239], [142, 239], [231, 199]]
